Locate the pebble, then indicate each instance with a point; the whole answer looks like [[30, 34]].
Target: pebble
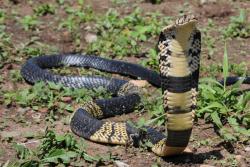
[[188, 150], [121, 164], [90, 38], [204, 165], [87, 28], [238, 158], [139, 83], [36, 117], [202, 2], [247, 149]]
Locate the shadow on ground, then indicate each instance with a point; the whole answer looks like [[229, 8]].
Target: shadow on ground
[[194, 158]]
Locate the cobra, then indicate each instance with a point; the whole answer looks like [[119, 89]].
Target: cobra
[[179, 61]]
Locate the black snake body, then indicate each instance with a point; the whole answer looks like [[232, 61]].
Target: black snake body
[[179, 46]]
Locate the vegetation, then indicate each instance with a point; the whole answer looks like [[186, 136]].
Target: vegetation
[[225, 106], [29, 22], [238, 27], [56, 149], [122, 36], [61, 26]]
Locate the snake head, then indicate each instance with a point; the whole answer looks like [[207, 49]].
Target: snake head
[[180, 30], [186, 19]]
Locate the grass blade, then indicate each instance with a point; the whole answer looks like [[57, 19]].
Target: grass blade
[[225, 66]]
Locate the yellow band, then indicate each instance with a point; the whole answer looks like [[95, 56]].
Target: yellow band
[[179, 122]]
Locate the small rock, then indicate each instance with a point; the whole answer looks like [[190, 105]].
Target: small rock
[[188, 150], [36, 117], [33, 143], [202, 2], [238, 158], [206, 165], [247, 149], [121, 164], [90, 38], [87, 28], [139, 83]]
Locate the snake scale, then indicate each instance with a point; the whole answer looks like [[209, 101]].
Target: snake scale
[[179, 60]]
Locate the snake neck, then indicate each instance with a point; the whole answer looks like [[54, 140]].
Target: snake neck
[[176, 45]]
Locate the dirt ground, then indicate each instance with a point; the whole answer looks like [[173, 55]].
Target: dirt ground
[[205, 146]]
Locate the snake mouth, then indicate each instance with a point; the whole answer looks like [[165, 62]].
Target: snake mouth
[[186, 19]]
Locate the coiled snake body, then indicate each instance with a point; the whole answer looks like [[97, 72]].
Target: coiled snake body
[[179, 46]]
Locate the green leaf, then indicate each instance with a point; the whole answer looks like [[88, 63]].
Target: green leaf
[[54, 86], [141, 122], [210, 106], [232, 121], [227, 135], [81, 2], [242, 17], [60, 138], [216, 119], [149, 144], [61, 154], [209, 80], [89, 158], [225, 65]]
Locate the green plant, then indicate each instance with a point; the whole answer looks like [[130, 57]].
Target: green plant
[[208, 39], [76, 16], [238, 69], [50, 96], [56, 149], [44, 9], [118, 2], [60, 2], [215, 70], [29, 22], [238, 27], [15, 75], [34, 48], [6, 47], [69, 23], [153, 106], [32, 51], [2, 16], [123, 35], [22, 151], [151, 60], [204, 142], [229, 161], [224, 106]]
